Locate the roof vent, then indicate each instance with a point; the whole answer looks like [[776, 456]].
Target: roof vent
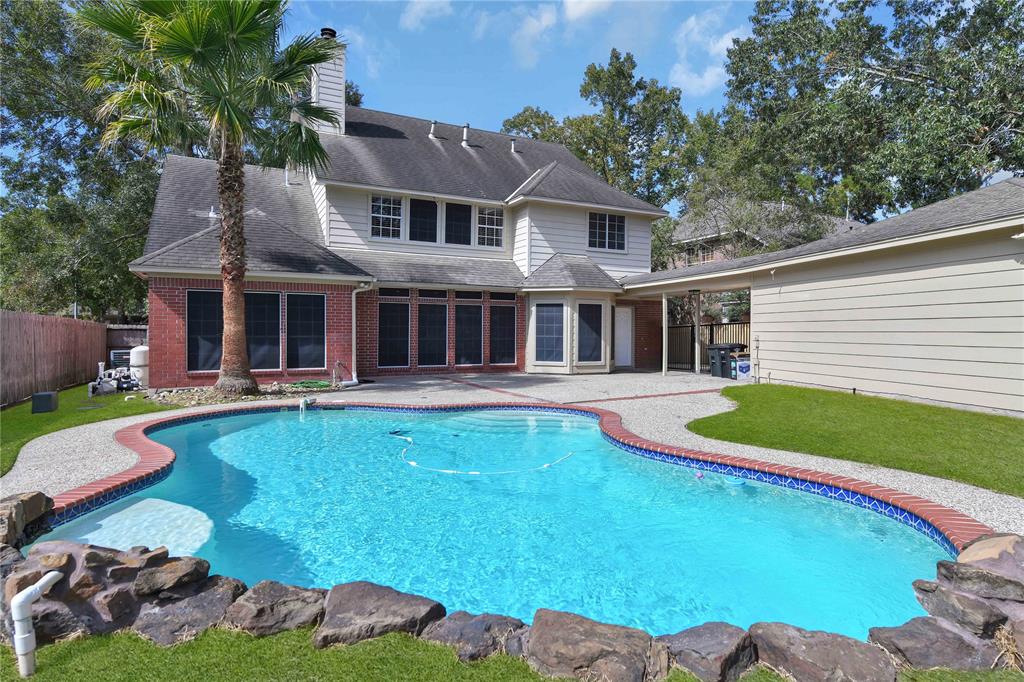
[[465, 135], [514, 146], [213, 212], [433, 130], [328, 32]]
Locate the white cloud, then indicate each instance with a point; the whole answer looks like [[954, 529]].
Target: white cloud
[[531, 35], [576, 10], [361, 47], [702, 34], [418, 13]]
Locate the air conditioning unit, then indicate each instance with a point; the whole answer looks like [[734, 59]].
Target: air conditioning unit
[[120, 358]]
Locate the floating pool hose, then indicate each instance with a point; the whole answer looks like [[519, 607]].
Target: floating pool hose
[[398, 433]]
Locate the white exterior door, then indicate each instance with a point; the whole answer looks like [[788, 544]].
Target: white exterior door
[[623, 336]]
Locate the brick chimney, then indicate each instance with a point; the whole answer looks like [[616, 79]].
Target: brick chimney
[[329, 85]]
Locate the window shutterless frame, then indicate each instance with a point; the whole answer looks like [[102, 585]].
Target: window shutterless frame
[[188, 336], [480, 308], [408, 335], [419, 334], [280, 346], [288, 307], [381, 209], [604, 234], [515, 331], [551, 325], [580, 332], [220, 293]]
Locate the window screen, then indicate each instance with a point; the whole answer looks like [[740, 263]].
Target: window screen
[[263, 330], [588, 340], [469, 330], [503, 335], [432, 335], [550, 332], [503, 296], [393, 335], [422, 220], [205, 324], [433, 293], [397, 293], [469, 295], [306, 334], [458, 224]]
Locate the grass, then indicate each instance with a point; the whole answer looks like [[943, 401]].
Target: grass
[[222, 655], [18, 425], [973, 447]]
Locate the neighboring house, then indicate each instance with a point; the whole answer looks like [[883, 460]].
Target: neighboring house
[[734, 229], [927, 304], [421, 248]]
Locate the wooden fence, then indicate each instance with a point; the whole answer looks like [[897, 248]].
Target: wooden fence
[[44, 353], [680, 342]]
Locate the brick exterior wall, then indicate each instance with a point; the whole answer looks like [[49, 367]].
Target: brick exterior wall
[[167, 354], [647, 334], [366, 342]]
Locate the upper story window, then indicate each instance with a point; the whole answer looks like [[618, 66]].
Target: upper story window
[[607, 231], [490, 226], [422, 220], [386, 216], [458, 224]]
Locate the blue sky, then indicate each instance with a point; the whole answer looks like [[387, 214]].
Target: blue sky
[[481, 62]]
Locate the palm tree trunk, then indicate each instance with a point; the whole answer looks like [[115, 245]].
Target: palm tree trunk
[[235, 375]]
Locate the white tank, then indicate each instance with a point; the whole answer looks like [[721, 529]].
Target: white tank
[[138, 364]]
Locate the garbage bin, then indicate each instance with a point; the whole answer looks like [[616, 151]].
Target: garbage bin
[[719, 355]]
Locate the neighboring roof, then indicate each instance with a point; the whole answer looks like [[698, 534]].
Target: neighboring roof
[[380, 149], [562, 271], [1001, 200], [421, 268], [560, 182], [715, 223], [269, 248]]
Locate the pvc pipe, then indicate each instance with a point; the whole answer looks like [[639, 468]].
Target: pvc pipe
[[21, 613], [354, 381]]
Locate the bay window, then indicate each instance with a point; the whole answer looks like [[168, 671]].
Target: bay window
[[550, 332]]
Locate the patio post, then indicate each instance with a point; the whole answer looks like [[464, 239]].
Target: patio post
[[695, 293], [664, 334]]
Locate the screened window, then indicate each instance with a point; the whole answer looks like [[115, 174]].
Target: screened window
[[396, 293], [433, 293], [490, 226], [458, 224], [386, 216], [205, 324], [307, 346], [503, 296], [550, 332], [588, 341], [263, 330], [469, 295], [432, 335], [469, 335], [503, 335], [393, 335], [422, 220], [607, 231]]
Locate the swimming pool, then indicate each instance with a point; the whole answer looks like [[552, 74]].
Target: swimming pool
[[506, 511]]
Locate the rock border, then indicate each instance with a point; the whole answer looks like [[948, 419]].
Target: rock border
[[951, 529]]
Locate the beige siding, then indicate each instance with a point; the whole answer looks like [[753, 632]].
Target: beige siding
[[942, 320], [563, 229], [521, 243], [320, 200]]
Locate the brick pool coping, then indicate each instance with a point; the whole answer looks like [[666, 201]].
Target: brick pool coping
[[156, 460]]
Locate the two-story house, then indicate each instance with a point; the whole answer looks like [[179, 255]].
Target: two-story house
[[421, 248]]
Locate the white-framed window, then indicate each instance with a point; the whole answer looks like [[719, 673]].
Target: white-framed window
[[607, 231], [590, 332], [706, 254], [490, 226], [385, 216]]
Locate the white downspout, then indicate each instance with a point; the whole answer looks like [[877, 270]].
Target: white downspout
[[21, 613], [354, 381]]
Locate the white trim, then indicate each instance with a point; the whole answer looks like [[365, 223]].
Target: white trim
[[576, 352], [402, 218], [632, 334], [604, 249], [410, 192], [220, 291], [408, 336], [250, 275], [604, 207], [515, 331], [287, 307], [559, 289], [480, 305], [418, 327], [564, 362]]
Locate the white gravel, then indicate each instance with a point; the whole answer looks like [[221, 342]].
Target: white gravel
[[65, 459]]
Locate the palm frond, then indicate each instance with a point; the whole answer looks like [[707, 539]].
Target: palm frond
[[188, 36], [118, 18]]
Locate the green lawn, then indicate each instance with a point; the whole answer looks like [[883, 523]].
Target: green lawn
[[222, 655], [18, 425], [981, 449]]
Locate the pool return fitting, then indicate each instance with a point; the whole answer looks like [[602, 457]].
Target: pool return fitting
[[21, 613]]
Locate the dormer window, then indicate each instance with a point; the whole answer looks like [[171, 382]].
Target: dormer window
[[607, 231], [490, 226], [386, 216]]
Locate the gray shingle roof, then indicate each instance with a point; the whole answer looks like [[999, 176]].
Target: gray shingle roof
[[1001, 200], [399, 268], [389, 150], [561, 182], [564, 271]]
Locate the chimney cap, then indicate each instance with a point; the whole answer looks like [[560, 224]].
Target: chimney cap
[[328, 32]]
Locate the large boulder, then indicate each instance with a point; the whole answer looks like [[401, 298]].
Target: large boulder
[[567, 645], [20, 514], [813, 656], [714, 652], [1002, 554], [474, 637], [925, 642], [171, 574], [186, 618], [976, 615], [9, 560], [979, 581], [361, 610], [270, 607]]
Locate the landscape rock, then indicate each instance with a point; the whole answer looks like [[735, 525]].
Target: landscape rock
[[20, 512], [972, 613], [184, 619], [515, 645], [362, 610], [714, 652], [567, 645], [54, 620], [270, 607], [813, 656], [474, 637], [1002, 554], [10, 558], [925, 643], [172, 573], [979, 581]]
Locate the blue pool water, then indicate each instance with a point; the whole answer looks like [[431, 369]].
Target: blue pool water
[[554, 516]]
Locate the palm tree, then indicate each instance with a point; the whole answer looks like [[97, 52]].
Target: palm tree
[[186, 70]]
